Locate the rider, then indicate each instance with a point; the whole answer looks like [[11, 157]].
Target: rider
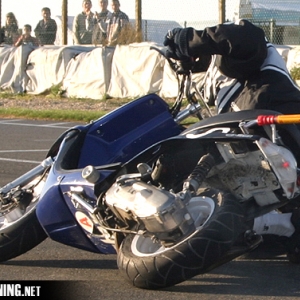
[[245, 72]]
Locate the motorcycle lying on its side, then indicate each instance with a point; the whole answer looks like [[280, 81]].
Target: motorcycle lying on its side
[[106, 143], [171, 202]]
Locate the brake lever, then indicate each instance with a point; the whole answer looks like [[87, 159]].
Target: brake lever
[[174, 66]]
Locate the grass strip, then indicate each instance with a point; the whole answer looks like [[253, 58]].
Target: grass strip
[[60, 115]]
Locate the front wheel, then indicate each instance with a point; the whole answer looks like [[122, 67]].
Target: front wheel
[[20, 229], [147, 264]]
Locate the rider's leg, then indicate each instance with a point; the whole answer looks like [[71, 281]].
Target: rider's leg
[[274, 223], [284, 225]]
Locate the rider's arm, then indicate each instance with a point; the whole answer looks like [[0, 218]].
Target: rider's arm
[[241, 46]]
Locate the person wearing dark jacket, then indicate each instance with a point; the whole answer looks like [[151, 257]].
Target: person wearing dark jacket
[[10, 32], [45, 30], [244, 72], [260, 79]]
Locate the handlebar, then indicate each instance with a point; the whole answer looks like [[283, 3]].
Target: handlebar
[[263, 120], [163, 52], [182, 67], [186, 88], [278, 119]]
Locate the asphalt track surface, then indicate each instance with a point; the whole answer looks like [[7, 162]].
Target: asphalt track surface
[[93, 276]]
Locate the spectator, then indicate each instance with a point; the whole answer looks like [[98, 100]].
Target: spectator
[[118, 22], [45, 30], [10, 32], [83, 25], [26, 38], [102, 19]]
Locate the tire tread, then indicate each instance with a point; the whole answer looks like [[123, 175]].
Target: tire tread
[[20, 237], [195, 256]]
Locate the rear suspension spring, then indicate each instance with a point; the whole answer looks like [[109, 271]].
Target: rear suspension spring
[[199, 173]]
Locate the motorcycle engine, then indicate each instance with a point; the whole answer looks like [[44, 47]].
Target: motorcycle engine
[[158, 210]]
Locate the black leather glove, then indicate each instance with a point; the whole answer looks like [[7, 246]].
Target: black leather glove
[[176, 42]]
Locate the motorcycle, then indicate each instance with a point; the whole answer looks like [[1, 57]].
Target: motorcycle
[[171, 201], [108, 142]]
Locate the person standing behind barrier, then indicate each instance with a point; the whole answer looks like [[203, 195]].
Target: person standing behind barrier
[[10, 32], [45, 30], [118, 22], [102, 19], [26, 38], [83, 24]]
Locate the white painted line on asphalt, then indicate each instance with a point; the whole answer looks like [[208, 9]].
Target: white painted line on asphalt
[[61, 123], [10, 120], [36, 125], [20, 160], [15, 151], [44, 140]]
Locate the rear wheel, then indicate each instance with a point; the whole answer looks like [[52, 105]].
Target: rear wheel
[[20, 229], [219, 224]]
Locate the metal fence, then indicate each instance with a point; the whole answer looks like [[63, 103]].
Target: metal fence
[[280, 19]]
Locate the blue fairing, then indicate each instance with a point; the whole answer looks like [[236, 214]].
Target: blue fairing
[[115, 138], [60, 224], [56, 213], [120, 135]]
